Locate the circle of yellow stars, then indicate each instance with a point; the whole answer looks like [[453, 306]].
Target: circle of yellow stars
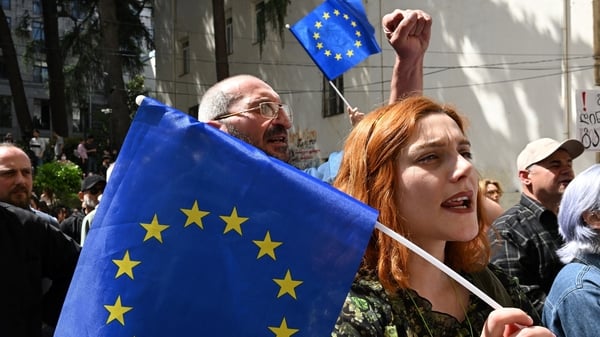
[[233, 223], [321, 45]]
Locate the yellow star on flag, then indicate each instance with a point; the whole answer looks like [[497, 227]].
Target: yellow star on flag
[[320, 45], [154, 229], [126, 265], [316, 36], [358, 33], [353, 23], [326, 16], [287, 285], [357, 44], [350, 53], [336, 12], [338, 56], [328, 52], [267, 247], [194, 215], [346, 16], [117, 311], [234, 222], [318, 24], [282, 330]]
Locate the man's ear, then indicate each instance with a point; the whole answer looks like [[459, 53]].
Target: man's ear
[[524, 177], [592, 218], [80, 195], [215, 124]]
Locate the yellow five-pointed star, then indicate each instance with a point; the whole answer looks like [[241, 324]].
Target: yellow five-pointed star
[[126, 265], [336, 12], [353, 23], [358, 33], [357, 44], [287, 285], [117, 311], [328, 53], [320, 45], [338, 56], [267, 247], [282, 330], [194, 215], [234, 222], [154, 229], [318, 24], [346, 16], [326, 16], [316, 36], [350, 53]]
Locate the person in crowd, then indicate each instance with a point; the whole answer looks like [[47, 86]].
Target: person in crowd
[[571, 308], [59, 145], [8, 138], [248, 108], [33, 253], [82, 155], [60, 212], [92, 187], [16, 180], [48, 197], [525, 238], [92, 151], [37, 146], [89, 217], [411, 160], [492, 189]]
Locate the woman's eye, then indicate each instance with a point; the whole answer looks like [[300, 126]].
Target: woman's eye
[[467, 154], [428, 158]]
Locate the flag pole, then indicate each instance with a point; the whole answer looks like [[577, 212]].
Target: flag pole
[[437, 263], [340, 94]]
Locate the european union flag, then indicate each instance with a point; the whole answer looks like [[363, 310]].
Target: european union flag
[[201, 234], [337, 36]]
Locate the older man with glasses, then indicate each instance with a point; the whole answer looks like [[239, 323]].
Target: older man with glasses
[[246, 107]]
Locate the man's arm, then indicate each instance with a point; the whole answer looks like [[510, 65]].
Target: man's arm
[[408, 32]]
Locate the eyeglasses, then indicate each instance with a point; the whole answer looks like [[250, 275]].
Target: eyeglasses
[[269, 110]]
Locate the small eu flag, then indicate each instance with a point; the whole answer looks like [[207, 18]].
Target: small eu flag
[[200, 234], [337, 36]]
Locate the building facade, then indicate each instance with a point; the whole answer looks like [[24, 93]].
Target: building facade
[[511, 67]]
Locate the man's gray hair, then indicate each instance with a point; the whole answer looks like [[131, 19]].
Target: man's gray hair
[[214, 103]]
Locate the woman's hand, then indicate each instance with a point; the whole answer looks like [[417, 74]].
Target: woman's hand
[[512, 322]]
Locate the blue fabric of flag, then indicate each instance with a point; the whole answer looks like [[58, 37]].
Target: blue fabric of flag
[[337, 36], [201, 234]]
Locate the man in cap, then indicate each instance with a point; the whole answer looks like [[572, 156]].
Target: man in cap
[[525, 238], [91, 188]]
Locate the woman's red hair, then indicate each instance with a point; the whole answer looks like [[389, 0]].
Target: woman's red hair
[[368, 173]]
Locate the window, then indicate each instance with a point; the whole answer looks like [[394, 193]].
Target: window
[[193, 111], [41, 114], [3, 72], [332, 102], [37, 30], [185, 56], [5, 111], [6, 4], [260, 22], [229, 33], [40, 73], [36, 7]]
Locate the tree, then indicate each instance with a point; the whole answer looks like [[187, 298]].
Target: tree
[[220, 39], [14, 76], [55, 61]]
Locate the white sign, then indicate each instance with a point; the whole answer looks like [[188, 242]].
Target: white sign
[[587, 103]]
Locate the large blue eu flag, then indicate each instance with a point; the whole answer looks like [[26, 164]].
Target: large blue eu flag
[[337, 36], [200, 234]]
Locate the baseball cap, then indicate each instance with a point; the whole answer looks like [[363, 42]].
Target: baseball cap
[[90, 181], [543, 148]]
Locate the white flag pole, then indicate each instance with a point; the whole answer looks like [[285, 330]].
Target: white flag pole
[[340, 94], [422, 253]]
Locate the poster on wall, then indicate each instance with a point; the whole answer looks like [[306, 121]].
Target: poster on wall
[[587, 103]]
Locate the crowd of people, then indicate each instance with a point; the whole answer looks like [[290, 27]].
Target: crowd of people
[[411, 160]]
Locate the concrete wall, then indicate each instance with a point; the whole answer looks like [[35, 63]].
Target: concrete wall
[[511, 66]]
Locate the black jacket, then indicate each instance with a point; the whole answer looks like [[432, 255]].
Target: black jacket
[[32, 250]]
